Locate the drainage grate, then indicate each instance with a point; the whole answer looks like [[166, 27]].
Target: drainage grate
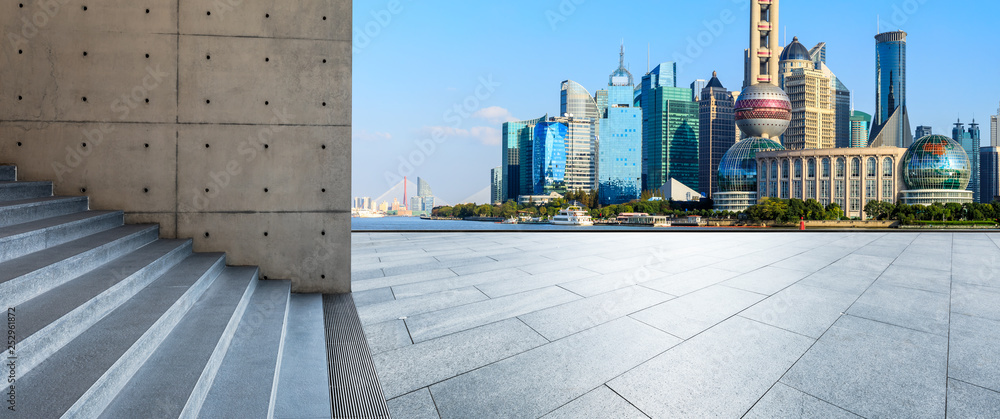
[[355, 389]]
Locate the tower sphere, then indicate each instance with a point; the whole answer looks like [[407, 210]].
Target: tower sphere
[[763, 110]]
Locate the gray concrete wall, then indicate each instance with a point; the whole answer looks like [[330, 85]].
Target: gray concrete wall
[[246, 130]]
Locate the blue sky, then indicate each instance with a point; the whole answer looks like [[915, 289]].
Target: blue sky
[[434, 80]]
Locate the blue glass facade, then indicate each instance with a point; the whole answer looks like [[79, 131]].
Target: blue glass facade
[[970, 141], [890, 74], [936, 162], [620, 155], [548, 171], [516, 135]]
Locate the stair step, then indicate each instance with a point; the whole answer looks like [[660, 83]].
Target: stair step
[[257, 343], [8, 173], [58, 316], [31, 275], [16, 191], [85, 375], [303, 388], [164, 387], [22, 239], [24, 211]]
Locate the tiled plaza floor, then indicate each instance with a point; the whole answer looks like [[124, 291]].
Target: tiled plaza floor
[[664, 325]]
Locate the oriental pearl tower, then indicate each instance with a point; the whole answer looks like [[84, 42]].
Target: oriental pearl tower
[[763, 110]]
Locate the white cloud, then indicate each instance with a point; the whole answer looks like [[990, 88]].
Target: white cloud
[[495, 115], [364, 135], [484, 135]]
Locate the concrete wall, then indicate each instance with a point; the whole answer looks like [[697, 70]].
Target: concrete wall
[[220, 120]]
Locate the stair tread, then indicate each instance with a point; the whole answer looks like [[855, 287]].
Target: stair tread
[[57, 383], [41, 311], [34, 209], [161, 387], [8, 173], [7, 205], [20, 229], [304, 381], [10, 191], [255, 344], [34, 261]]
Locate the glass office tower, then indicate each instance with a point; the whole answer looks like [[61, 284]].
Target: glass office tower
[[989, 174], [923, 131], [890, 89], [670, 138], [620, 144], [717, 126], [515, 136], [548, 169], [969, 139], [860, 124]]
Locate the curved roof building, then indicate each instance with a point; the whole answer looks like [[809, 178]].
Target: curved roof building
[[936, 169], [738, 174]]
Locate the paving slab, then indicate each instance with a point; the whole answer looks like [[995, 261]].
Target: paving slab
[[416, 405], [564, 320], [802, 309], [916, 278], [599, 403], [407, 307], [783, 401], [412, 367], [846, 280], [875, 370], [719, 373], [396, 280], [596, 285], [767, 280], [974, 350], [907, 307], [387, 336], [454, 282], [543, 379], [690, 281], [693, 313], [456, 319], [968, 401], [532, 282], [375, 296], [975, 300]]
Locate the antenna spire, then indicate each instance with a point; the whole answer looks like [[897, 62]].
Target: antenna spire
[[621, 56]]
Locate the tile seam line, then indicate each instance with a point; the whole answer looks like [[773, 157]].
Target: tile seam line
[[820, 399], [947, 356], [974, 385], [824, 332], [778, 327]]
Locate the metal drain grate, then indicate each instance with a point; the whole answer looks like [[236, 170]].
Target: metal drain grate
[[355, 389]]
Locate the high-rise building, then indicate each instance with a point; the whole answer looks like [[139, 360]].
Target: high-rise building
[[515, 135], [548, 168], [811, 92], [496, 179], [989, 174], [970, 142], [716, 126], [423, 188], [995, 130], [923, 131], [860, 123], [581, 153], [818, 53], [670, 129], [762, 57], [739, 134], [891, 125], [696, 87], [620, 148]]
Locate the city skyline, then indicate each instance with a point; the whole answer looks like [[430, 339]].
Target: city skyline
[[512, 90]]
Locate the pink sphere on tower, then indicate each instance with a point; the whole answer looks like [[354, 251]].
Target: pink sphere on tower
[[763, 110]]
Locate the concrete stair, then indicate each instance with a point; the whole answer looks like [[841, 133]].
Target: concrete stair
[[112, 321]]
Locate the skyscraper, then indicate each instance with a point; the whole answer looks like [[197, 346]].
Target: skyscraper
[[423, 203], [496, 179], [923, 131], [669, 131], [548, 168], [811, 92], [995, 130], [989, 174], [762, 59], [860, 123], [891, 126], [515, 134], [716, 126], [581, 153], [970, 139], [423, 188], [696, 87], [818, 53], [620, 148]]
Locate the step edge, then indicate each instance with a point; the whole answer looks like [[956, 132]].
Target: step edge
[[281, 351], [153, 230], [113, 218], [82, 315], [96, 215], [204, 384], [102, 392]]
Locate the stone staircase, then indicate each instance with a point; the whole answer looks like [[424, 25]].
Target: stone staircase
[[111, 321]]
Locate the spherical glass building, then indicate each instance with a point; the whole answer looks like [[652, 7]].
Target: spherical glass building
[[936, 169], [738, 174]]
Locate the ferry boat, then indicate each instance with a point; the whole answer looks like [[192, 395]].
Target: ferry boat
[[364, 213], [573, 216]]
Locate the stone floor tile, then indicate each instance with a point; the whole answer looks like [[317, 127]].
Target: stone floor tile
[[802, 309], [408, 307], [968, 401], [387, 336], [974, 351], [767, 280], [599, 403], [906, 307], [783, 402], [564, 320], [693, 313], [532, 282], [416, 405], [454, 282], [690, 281]]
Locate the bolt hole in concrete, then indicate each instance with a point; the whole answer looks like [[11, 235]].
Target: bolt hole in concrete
[[85, 53], [323, 146], [208, 101], [20, 51], [147, 55], [84, 145], [207, 146], [85, 8], [265, 234], [208, 13], [21, 5], [84, 98], [83, 190], [267, 60], [147, 11], [265, 190], [266, 146], [267, 16], [146, 145], [324, 104], [206, 234], [322, 233], [324, 61], [324, 190], [322, 277], [265, 277], [18, 143], [266, 103], [18, 98], [208, 57], [145, 190], [206, 190], [147, 100]]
